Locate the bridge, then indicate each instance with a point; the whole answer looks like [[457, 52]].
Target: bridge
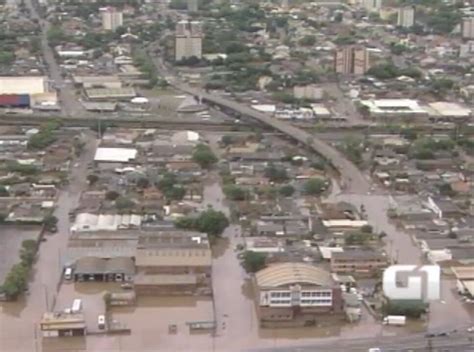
[[354, 179]]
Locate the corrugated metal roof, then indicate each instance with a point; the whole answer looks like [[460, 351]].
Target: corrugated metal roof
[[292, 273]]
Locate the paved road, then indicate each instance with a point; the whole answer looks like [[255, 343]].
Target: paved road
[[69, 104], [354, 179]]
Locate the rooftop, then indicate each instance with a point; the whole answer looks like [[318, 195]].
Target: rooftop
[[121, 155], [292, 273]]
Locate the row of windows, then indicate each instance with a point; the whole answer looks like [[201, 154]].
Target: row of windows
[[280, 294], [278, 301], [316, 301], [316, 294], [175, 253]]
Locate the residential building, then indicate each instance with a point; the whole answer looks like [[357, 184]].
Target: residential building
[[406, 16], [467, 27], [193, 5], [173, 263], [188, 40], [352, 60], [372, 5], [295, 294], [363, 262], [111, 18]]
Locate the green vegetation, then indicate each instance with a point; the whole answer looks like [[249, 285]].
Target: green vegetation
[[358, 238], [235, 193], [444, 19], [6, 57], [111, 195], [353, 149], [3, 191], [210, 221], [276, 174], [25, 170], [441, 86], [204, 156], [398, 49], [253, 261], [390, 71], [315, 186], [17, 279], [143, 183], [172, 190], [425, 148], [50, 222], [55, 35], [145, 65], [124, 204], [45, 137], [287, 190], [92, 179], [410, 308], [308, 40]]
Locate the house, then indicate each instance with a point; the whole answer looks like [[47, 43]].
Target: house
[[61, 324], [173, 263], [444, 208], [295, 294], [358, 261], [408, 207], [101, 269], [464, 279]]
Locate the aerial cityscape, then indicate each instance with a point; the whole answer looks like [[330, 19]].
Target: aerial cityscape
[[236, 175]]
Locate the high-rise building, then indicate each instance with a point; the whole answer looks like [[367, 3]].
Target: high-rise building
[[352, 60], [468, 27], [406, 16], [372, 5], [188, 40], [193, 5], [111, 18]]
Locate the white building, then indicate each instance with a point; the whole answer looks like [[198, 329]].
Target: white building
[[394, 108], [406, 16], [372, 5], [467, 27], [111, 18], [188, 40], [24, 85]]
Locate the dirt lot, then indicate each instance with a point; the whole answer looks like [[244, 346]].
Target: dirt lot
[[10, 244]]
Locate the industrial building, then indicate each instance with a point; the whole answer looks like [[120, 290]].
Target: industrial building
[[188, 40], [389, 109], [61, 324], [296, 294], [26, 92], [173, 263], [100, 269]]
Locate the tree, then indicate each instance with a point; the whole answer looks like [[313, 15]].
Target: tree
[[123, 203], [410, 308], [276, 173], [143, 182], [227, 140], [308, 40], [366, 229], [111, 195], [253, 261], [287, 190], [235, 193], [55, 35], [314, 186], [50, 222], [204, 156], [6, 58], [92, 179], [3, 191], [210, 221], [384, 71]]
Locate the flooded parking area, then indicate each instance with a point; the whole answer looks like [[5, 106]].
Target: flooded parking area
[[11, 237]]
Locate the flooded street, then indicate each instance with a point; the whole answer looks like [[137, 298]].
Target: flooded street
[[18, 320]]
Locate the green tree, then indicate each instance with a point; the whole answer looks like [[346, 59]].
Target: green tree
[[6, 58], [111, 195], [366, 229], [308, 40], [143, 182], [210, 221], [204, 156], [314, 186], [409, 308], [253, 261], [384, 71], [124, 204], [287, 190], [3, 191], [50, 222], [92, 179], [55, 35], [276, 173], [235, 193]]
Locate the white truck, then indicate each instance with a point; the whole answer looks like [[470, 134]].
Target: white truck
[[395, 320]]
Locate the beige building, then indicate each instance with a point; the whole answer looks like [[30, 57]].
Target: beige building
[[468, 28], [188, 40], [372, 5], [173, 263], [111, 18], [352, 60], [363, 262], [295, 294], [406, 16]]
